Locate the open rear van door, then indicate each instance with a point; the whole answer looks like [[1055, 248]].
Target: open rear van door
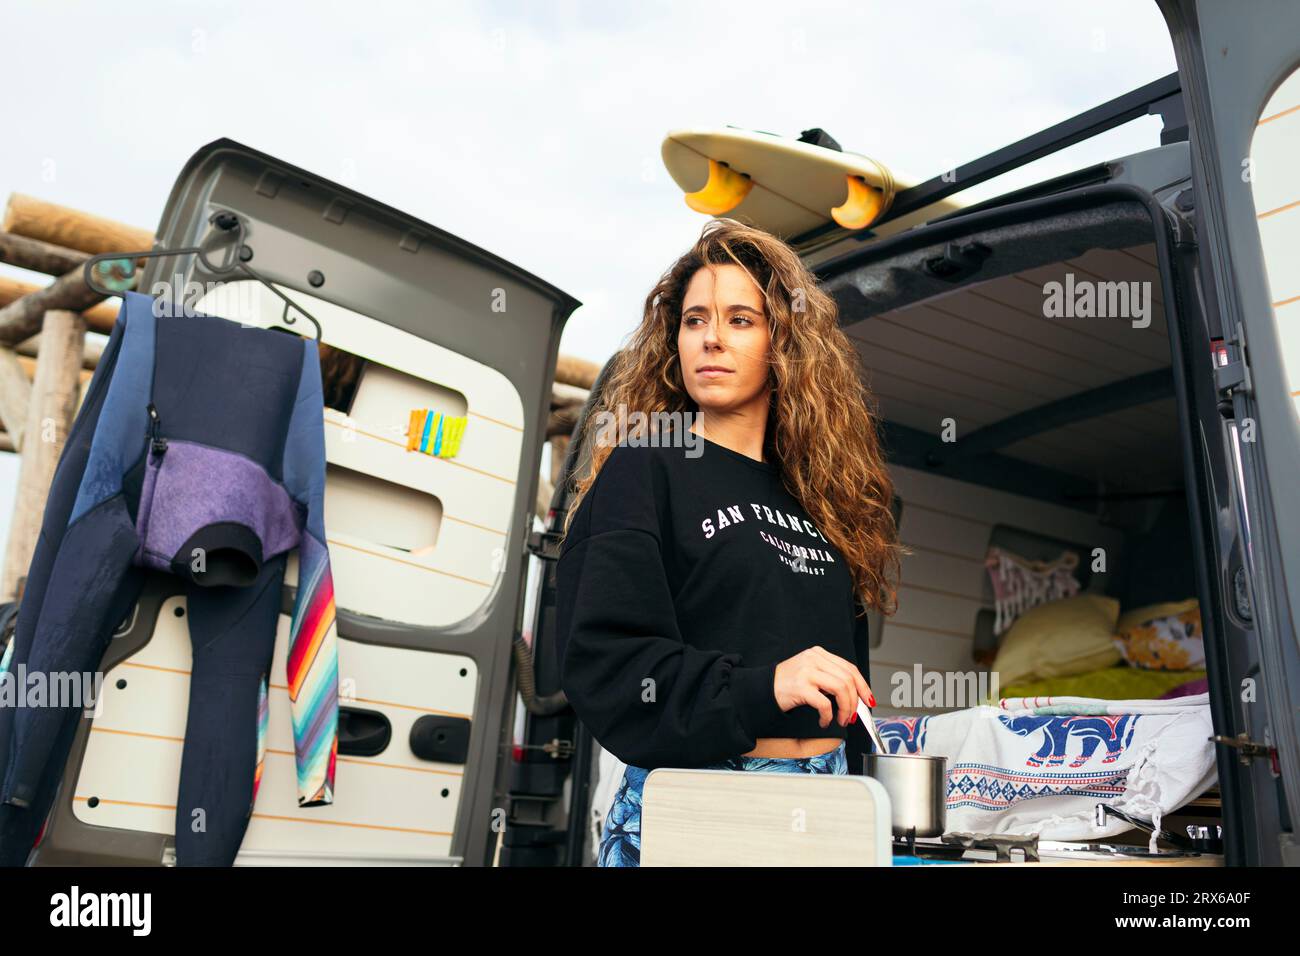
[[427, 552], [1239, 67]]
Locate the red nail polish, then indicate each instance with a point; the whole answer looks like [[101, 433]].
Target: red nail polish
[[872, 702], [853, 719]]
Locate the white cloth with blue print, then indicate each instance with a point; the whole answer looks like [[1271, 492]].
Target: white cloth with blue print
[[1027, 772]]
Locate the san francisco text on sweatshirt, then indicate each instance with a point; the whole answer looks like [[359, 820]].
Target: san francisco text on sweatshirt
[[682, 583]]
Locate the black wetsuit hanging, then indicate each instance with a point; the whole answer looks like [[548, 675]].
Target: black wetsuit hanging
[[199, 451]]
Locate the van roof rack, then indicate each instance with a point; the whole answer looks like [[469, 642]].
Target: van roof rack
[[1162, 97]]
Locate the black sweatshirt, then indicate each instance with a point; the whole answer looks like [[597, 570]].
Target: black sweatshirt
[[682, 583]]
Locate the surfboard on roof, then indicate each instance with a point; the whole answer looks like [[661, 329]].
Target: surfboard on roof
[[807, 190]]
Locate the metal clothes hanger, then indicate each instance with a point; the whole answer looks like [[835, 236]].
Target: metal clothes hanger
[[233, 262]]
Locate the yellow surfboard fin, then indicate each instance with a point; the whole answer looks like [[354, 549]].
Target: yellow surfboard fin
[[864, 204], [724, 191]]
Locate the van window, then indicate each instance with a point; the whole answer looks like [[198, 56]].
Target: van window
[[414, 539]]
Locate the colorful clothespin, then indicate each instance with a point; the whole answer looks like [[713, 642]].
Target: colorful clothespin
[[435, 433]]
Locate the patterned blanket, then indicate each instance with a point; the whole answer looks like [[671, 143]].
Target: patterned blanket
[[1042, 770]]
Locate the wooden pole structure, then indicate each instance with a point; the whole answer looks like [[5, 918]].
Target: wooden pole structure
[[571, 370], [31, 347], [573, 380], [559, 448], [15, 396], [17, 369], [38, 256], [569, 392], [71, 228], [16, 393], [37, 413], [99, 318], [22, 319], [49, 417]]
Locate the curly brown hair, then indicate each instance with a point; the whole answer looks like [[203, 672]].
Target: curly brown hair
[[822, 427]]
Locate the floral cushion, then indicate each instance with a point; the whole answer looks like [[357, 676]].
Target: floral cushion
[[1163, 637]]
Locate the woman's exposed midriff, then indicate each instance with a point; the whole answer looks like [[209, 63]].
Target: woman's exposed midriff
[[793, 746]]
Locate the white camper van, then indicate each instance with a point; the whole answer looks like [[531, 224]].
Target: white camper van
[[1152, 431], [1168, 436]]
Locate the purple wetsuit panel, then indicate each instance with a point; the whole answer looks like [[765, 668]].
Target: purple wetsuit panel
[[191, 486]]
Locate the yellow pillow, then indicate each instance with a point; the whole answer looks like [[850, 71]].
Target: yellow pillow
[[1070, 636], [1140, 615]]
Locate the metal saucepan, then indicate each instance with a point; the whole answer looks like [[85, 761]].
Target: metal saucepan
[[916, 784]]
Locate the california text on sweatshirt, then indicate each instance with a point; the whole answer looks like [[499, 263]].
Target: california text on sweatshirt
[[682, 583]]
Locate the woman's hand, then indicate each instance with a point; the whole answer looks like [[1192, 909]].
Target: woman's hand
[[803, 678]]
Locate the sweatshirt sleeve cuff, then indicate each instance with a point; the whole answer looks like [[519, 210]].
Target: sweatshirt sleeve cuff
[[755, 692]]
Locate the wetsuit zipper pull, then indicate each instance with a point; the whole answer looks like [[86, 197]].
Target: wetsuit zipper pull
[[157, 443]]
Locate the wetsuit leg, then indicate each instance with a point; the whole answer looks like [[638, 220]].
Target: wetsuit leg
[[232, 631], [77, 621], [19, 825], [54, 524]]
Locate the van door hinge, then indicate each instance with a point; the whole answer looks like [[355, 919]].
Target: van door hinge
[[557, 748], [1232, 377], [1248, 749], [544, 544]]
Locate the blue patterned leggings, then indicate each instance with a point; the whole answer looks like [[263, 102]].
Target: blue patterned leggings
[[620, 844]]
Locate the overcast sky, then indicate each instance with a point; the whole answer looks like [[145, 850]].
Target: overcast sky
[[534, 129]]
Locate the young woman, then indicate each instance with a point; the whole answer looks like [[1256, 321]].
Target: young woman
[[716, 561]]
